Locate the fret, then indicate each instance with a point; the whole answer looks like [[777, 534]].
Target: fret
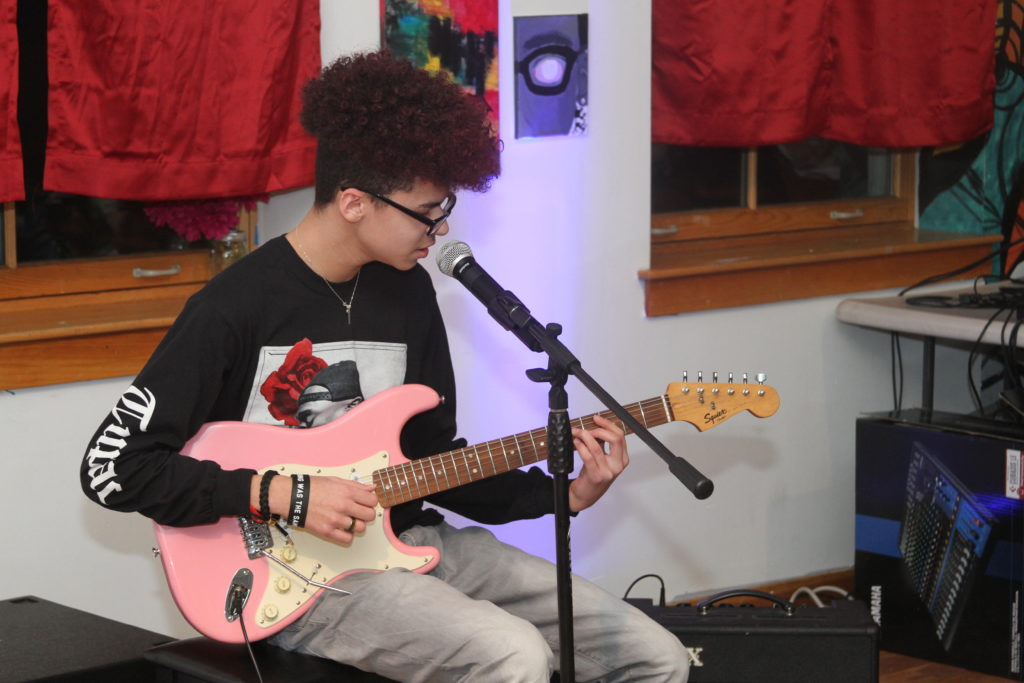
[[664, 406], [403, 480], [536, 451], [487, 458], [403, 472], [455, 468], [391, 485], [426, 480], [465, 464], [504, 453], [519, 450], [379, 488], [643, 417], [488, 467], [476, 453], [416, 478], [435, 462]]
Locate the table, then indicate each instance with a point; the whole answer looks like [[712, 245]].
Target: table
[[962, 323]]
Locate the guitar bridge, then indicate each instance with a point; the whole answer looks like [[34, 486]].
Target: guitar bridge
[[256, 536]]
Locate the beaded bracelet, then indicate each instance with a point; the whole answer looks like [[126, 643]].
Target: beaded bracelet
[[300, 496]]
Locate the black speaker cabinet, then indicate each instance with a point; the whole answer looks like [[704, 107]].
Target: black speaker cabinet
[[45, 641], [784, 644]]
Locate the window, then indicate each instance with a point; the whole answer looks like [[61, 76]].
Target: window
[[733, 227], [88, 286], [74, 307]]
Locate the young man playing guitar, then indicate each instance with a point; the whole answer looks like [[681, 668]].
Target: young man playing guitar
[[304, 329]]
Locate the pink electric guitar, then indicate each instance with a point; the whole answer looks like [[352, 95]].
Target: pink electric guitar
[[269, 576]]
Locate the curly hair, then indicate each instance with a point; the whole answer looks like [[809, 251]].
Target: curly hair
[[381, 124]]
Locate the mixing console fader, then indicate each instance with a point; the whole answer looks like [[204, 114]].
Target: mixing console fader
[[942, 539]]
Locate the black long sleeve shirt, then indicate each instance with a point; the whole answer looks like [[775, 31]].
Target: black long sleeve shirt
[[245, 348]]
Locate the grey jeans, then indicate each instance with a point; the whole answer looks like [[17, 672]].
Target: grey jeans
[[488, 612]]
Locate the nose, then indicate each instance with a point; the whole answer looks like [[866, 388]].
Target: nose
[[442, 228]]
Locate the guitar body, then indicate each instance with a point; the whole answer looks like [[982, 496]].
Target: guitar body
[[201, 561]]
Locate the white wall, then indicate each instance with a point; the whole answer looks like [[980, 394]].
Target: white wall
[[573, 209]]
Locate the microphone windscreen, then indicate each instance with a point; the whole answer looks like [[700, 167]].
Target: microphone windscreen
[[450, 254]]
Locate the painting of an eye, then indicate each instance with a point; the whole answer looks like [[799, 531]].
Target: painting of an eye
[[551, 75], [548, 69]]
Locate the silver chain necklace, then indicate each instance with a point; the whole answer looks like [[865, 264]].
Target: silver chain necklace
[[351, 299]]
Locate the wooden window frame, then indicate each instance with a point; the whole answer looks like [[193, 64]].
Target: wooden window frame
[[722, 258], [88, 319]]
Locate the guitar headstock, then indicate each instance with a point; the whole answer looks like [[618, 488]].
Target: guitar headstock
[[708, 404]]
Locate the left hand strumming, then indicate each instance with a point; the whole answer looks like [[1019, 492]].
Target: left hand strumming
[[600, 469]]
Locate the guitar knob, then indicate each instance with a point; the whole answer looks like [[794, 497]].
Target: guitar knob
[[282, 584], [288, 553], [270, 612]]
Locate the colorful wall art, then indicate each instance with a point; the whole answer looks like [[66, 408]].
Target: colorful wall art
[[459, 37], [551, 75]]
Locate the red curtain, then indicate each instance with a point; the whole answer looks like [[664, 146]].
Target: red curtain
[[153, 100], [888, 73], [11, 178]]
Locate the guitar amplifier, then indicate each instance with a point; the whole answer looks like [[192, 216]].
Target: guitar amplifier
[[781, 643]]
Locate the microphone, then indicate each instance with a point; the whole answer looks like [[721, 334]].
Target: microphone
[[455, 259]]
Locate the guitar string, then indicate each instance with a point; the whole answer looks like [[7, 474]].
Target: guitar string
[[409, 472]]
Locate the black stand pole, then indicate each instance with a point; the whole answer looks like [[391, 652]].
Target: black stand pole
[[515, 317], [560, 464], [561, 363]]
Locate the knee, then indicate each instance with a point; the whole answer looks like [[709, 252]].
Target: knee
[[514, 652], [666, 657]]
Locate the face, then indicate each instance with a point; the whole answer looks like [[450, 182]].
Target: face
[[396, 239], [316, 413]]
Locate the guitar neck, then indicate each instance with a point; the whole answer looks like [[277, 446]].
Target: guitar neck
[[419, 478]]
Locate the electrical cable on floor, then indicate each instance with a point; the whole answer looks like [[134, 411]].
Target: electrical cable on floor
[[661, 594], [812, 593]]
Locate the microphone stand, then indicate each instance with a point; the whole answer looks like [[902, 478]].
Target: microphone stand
[[514, 316]]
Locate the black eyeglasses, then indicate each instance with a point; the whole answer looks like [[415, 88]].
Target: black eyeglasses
[[433, 224]]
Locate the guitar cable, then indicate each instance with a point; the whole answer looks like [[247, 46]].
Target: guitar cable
[[252, 655], [238, 596]]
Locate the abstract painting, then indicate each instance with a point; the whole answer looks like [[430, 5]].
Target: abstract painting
[[459, 37]]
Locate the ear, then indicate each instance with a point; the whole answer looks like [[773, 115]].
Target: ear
[[352, 204]]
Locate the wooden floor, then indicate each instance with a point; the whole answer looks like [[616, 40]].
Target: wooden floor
[[897, 668]]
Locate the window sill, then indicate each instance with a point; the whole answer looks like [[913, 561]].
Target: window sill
[[706, 274], [57, 339]]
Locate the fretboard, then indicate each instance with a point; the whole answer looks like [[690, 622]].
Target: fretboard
[[418, 478]]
